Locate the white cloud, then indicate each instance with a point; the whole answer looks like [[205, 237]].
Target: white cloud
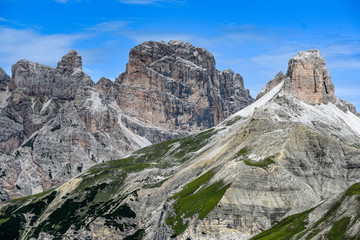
[[62, 1], [151, 2], [29, 44], [111, 26], [3, 19]]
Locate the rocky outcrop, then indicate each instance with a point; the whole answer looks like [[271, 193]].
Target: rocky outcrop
[[273, 159], [176, 85], [271, 84], [56, 122], [309, 78], [61, 83]]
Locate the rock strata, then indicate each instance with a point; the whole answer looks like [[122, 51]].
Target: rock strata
[[176, 85], [56, 122], [309, 78]]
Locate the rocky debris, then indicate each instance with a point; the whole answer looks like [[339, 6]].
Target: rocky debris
[[309, 79], [271, 84], [57, 123], [176, 85]]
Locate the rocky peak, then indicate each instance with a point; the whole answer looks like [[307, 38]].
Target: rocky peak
[[308, 78], [177, 86], [70, 62], [271, 84], [62, 82]]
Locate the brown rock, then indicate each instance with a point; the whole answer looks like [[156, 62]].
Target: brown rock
[[309, 78], [176, 86]]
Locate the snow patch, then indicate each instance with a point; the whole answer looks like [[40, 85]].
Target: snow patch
[[249, 110]]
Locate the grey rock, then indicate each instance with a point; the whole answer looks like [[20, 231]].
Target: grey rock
[[57, 123]]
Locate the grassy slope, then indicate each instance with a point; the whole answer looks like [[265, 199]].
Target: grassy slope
[[97, 195], [296, 226]]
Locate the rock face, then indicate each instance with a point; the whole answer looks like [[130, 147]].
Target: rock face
[[56, 122], [176, 85], [271, 84], [337, 217], [277, 157], [310, 80], [61, 83]]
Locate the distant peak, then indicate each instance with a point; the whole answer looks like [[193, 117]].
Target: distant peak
[[70, 62]]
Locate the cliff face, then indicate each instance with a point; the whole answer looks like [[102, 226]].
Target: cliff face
[[277, 157], [310, 79], [56, 122], [176, 85]]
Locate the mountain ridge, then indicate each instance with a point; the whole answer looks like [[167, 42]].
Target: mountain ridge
[[57, 122], [277, 157]]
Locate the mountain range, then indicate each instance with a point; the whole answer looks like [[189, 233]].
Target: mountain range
[[57, 122], [286, 166]]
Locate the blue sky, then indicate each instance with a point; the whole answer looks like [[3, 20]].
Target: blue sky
[[254, 38]]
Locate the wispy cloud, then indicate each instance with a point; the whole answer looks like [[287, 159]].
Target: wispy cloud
[[151, 2], [29, 44], [110, 26], [3, 19], [66, 1]]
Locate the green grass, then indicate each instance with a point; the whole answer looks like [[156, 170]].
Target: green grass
[[234, 120], [243, 152], [98, 192], [286, 228], [338, 229], [191, 187], [353, 190], [192, 144], [201, 203], [191, 201], [262, 163]]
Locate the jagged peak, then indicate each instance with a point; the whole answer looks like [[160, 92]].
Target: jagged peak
[[280, 77], [70, 62]]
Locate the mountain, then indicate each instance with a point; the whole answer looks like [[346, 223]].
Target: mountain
[[56, 122], [288, 152], [337, 218]]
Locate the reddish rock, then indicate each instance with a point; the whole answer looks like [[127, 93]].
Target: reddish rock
[[309, 79]]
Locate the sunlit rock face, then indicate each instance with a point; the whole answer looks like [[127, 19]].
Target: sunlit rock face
[[309, 78], [57, 123], [176, 85]]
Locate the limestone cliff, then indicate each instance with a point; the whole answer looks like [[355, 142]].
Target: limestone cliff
[[56, 122], [310, 80], [277, 157], [176, 85]]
